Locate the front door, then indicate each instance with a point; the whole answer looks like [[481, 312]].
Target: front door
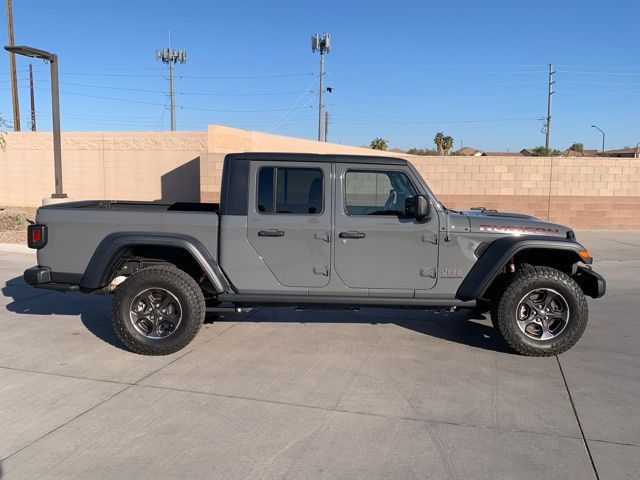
[[289, 221], [376, 245]]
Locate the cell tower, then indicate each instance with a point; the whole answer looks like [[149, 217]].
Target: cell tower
[[171, 57], [320, 45]]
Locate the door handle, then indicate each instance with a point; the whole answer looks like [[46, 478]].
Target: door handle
[[271, 233], [352, 235]]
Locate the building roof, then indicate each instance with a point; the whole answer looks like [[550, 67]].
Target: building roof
[[397, 150], [469, 151], [585, 153], [502, 154], [622, 151]]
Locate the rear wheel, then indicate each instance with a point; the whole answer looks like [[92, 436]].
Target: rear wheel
[[158, 310], [540, 312]]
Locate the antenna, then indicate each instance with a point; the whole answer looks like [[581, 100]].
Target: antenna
[[171, 57]]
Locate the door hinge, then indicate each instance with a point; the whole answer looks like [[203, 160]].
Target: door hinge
[[323, 270], [428, 272], [324, 236], [430, 238]]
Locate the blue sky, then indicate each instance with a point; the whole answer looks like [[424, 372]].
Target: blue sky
[[401, 70]]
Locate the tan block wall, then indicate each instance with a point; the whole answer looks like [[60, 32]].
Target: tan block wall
[[581, 192], [102, 165]]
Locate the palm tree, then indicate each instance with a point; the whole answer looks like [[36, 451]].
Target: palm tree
[[447, 144], [443, 144], [379, 143], [438, 141]]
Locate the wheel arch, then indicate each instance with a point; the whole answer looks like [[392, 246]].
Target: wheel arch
[[558, 253], [114, 247]]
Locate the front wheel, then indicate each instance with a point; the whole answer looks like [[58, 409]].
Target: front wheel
[[158, 310], [540, 312]]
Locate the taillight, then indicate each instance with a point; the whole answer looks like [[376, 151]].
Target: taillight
[[36, 236]]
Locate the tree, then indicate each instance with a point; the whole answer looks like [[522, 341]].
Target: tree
[[546, 152], [577, 147], [447, 144], [443, 143], [438, 139], [379, 144], [422, 151]]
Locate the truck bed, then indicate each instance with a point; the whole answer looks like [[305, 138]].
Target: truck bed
[[75, 229], [137, 206]]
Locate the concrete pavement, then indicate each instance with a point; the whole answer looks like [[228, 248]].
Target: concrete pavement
[[280, 393]]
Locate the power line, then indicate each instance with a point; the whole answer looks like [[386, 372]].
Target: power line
[[247, 77], [213, 94], [584, 72], [601, 93], [209, 77], [437, 122], [293, 105], [586, 82], [126, 100]]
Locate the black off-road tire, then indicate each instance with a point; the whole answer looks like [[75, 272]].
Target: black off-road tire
[[530, 278], [173, 280]]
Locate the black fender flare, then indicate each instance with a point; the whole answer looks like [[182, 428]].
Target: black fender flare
[[108, 253], [500, 251]]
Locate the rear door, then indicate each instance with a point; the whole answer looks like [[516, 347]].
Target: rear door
[[289, 220]]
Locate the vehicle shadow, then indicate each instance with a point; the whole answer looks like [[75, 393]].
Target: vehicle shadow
[[93, 310], [464, 326]]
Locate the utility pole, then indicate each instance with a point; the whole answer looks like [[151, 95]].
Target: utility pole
[[551, 92], [326, 125], [170, 57], [172, 98], [33, 99], [321, 45], [12, 67]]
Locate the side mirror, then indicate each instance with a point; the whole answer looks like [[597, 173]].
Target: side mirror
[[417, 207]]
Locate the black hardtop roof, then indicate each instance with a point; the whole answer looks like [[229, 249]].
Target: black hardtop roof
[[316, 158]]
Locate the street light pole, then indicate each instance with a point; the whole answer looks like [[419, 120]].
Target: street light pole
[[602, 132], [55, 114], [52, 58]]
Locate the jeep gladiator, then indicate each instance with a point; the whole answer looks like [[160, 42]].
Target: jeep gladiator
[[315, 230]]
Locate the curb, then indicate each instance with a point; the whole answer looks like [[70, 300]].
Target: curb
[[15, 248]]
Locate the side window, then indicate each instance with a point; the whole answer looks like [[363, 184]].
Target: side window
[[377, 192], [290, 190], [265, 190]]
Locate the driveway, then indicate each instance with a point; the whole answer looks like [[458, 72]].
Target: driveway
[[282, 393]]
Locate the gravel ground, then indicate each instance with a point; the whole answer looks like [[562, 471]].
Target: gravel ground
[[13, 223]]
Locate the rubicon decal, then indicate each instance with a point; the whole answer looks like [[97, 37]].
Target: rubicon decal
[[525, 229]]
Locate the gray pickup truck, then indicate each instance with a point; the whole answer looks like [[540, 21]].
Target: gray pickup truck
[[315, 230]]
